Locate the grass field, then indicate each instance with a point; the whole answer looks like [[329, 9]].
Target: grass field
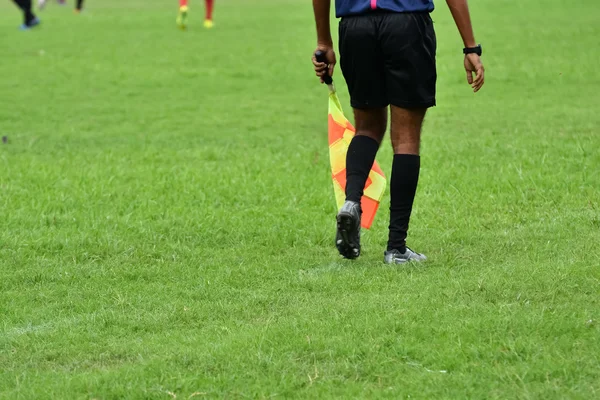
[[167, 215]]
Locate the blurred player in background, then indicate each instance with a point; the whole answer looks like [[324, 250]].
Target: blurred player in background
[[29, 19], [183, 11], [78, 4], [42, 3]]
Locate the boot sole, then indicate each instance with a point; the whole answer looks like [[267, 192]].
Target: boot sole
[[346, 231]]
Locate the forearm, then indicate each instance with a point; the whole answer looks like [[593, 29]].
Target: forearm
[[462, 18], [321, 9]]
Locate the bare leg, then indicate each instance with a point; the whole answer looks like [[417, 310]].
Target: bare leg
[[406, 129]]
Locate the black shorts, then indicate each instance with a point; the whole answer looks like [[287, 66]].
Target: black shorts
[[389, 58]]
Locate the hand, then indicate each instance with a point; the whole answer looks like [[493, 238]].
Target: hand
[[473, 65], [327, 67]]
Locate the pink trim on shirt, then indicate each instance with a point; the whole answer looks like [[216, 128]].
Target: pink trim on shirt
[[373, 4]]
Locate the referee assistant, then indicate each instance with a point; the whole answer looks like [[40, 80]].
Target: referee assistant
[[387, 55]]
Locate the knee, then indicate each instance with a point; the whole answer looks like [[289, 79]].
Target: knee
[[407, 146], [375, 134]]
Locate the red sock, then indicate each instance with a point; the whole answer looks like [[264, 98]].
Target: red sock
[[209, 9], [183, 3]]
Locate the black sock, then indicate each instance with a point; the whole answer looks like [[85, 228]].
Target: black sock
[[405, 178], [79, 4], [359, 161]]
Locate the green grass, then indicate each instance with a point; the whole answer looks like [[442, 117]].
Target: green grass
[[167, 215]]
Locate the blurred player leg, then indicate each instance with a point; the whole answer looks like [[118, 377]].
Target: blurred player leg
[[208, 21], [182, 16], [78, 6], [29, 20]]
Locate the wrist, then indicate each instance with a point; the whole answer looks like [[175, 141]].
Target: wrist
[[473, 50], [325, 43]]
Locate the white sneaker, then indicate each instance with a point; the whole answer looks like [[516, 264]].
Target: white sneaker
[[395, 257]]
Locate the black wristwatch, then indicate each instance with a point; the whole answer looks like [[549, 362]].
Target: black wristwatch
[[473, 50]]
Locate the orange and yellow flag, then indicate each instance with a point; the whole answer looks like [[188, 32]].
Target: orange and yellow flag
[[341, 133]]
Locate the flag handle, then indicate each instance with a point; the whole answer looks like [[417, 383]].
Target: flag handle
[[320, 57]]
